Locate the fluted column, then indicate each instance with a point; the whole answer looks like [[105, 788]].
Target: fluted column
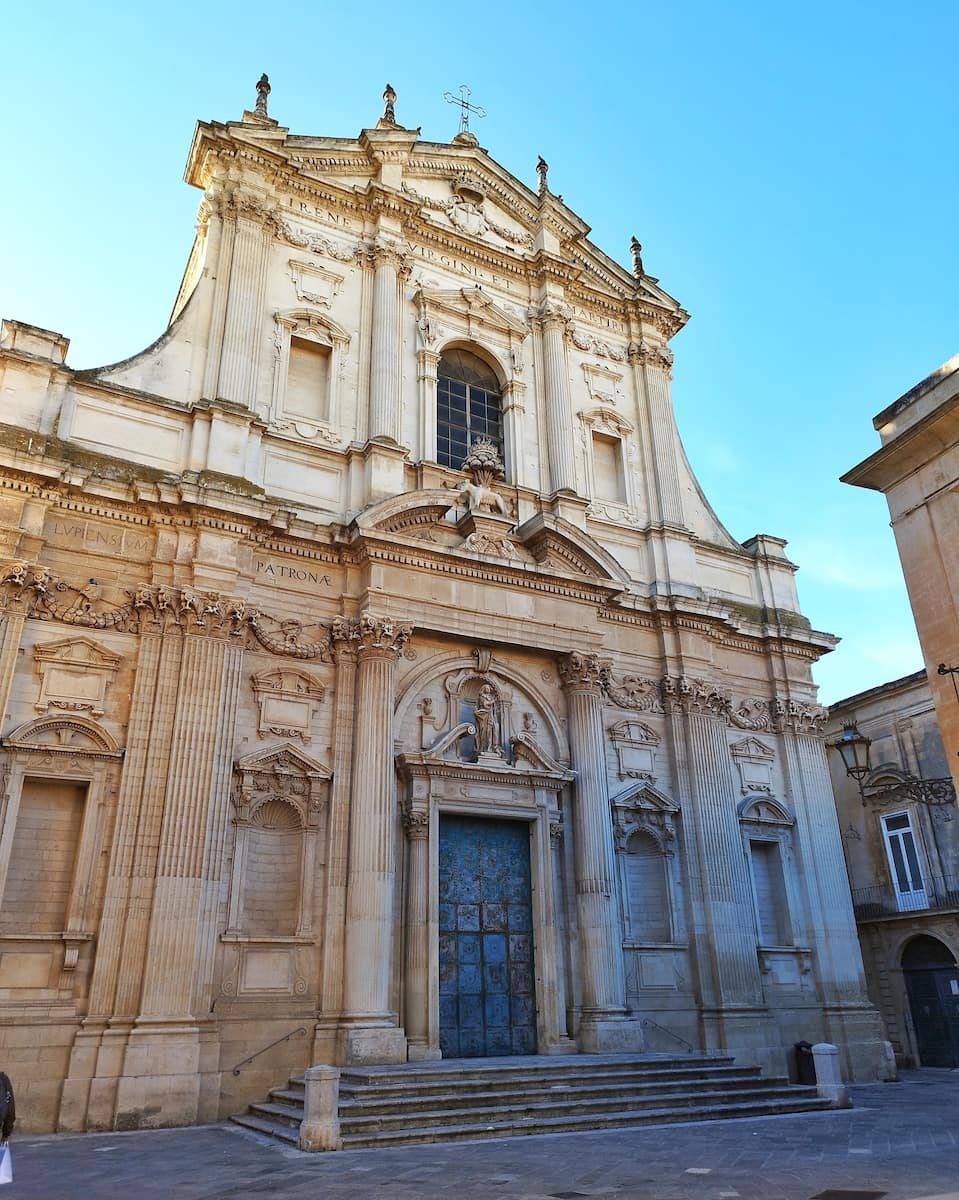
[[245, 300], [370, 1032], [727, 894], [191, 838], [385, 393], [604, 986], [552, 319], [417, 824]]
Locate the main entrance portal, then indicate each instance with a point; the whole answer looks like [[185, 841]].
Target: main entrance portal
[[487, 992]]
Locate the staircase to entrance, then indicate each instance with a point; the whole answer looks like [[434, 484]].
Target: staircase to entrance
[[491, 1098]]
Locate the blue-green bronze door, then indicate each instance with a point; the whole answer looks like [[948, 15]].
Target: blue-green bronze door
[[487, 992]]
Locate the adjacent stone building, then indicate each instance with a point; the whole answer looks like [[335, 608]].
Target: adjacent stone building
[[917, 470], [376, 675], [902, 853]]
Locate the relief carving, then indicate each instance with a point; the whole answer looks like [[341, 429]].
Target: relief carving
[[34, 591]]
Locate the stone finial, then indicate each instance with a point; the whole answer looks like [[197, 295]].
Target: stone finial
[[542, 170], [262, 92], [636, 251], [389, 102]]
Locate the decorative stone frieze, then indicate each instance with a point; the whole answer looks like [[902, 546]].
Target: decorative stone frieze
[[36, 592]]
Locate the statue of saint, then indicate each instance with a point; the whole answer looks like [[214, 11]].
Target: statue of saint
[[484, 712]]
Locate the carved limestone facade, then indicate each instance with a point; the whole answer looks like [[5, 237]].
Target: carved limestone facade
[[386, 549]]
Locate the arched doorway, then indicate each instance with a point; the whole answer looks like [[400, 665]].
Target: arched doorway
[[932, 984]]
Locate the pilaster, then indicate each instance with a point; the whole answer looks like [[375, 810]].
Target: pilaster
[[167, 1067], [242, 335], [604, 986], [652, 365], [726, 889], [416, 1015], [385, 375], [369, 1032], [552, 319]]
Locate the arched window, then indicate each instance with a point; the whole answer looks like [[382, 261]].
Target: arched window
[[468, 406]]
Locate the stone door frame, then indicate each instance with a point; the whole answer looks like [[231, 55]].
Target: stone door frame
[[506, 793]]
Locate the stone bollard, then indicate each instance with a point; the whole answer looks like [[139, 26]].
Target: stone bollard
[[829, 1082], [320, 1129]]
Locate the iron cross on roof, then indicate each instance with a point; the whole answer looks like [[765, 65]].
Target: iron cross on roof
[[463, 100]]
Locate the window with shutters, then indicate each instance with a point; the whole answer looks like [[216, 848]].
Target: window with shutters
[[769, 890]]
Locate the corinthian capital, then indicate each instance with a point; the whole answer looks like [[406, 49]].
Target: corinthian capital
[[368, 634], [585, 671], [648, 354], [551, 314], [381, 252]]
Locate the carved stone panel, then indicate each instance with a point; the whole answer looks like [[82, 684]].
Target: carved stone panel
[[288, 701], [74, 675]]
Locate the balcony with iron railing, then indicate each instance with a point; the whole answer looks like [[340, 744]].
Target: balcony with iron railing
[[883, 900]]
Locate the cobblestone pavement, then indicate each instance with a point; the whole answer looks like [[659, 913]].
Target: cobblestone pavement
[[900, 1142]]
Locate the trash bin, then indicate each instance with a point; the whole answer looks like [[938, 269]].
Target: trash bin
[[805, 1063]]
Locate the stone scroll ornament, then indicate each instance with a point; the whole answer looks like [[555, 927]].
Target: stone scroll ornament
[[683, 694], [37, 593]]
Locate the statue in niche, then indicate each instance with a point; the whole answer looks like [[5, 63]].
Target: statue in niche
[[484, 712]]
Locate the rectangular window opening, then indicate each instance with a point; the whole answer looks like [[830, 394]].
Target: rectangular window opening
[[609, 480], [772, 909], [308, 379]]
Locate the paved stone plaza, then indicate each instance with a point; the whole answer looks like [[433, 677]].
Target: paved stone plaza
[[900, 1142]]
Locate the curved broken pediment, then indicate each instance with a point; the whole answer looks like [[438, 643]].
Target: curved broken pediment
[[64, 735]]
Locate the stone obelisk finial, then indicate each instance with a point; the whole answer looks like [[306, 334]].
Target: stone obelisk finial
[[636, 251], [262, 92], [542, 170], [389, 101]]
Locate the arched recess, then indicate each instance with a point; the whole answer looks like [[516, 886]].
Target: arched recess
[[644, 834], [932, 986], [57, 776], [476, 666]]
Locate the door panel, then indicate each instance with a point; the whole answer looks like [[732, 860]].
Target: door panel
[[487, 988]]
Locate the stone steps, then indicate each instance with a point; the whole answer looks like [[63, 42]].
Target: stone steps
[[506, 1098]]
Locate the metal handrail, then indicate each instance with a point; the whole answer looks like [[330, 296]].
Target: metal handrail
[[690, 1048], [882, 900], [296, 1033]]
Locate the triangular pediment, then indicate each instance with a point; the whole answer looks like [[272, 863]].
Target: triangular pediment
[[471, 304], [645, 796], [285, 759]]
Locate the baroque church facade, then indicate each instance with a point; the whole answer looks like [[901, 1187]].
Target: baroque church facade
[[378, 684]]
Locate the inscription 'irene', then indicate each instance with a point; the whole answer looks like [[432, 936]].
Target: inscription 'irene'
[[274, 571]]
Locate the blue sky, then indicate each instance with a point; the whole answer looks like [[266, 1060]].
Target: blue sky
[[790, 170]]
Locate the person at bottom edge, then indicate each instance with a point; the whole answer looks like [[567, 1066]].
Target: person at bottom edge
[[8, 1109]]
